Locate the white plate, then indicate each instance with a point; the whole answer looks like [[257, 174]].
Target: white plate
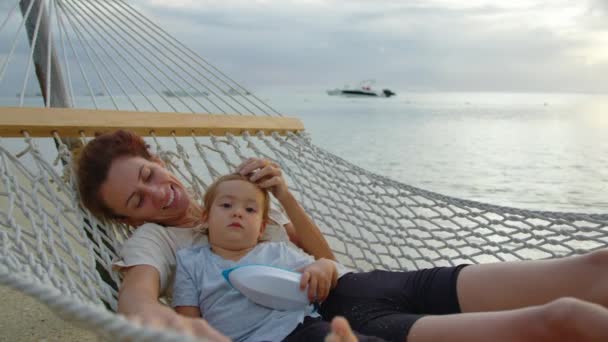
[[268, 286]]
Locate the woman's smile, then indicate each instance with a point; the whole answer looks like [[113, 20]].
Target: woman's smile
[[171, 197]]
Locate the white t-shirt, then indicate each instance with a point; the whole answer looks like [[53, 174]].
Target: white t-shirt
[[155, 245]]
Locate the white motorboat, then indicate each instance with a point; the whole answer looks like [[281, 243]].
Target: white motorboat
[[363, 90]]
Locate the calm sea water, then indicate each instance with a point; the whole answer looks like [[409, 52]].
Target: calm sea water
[[538, 151]]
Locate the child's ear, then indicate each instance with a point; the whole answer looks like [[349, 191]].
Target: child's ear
[[204, 222], [263, 227]]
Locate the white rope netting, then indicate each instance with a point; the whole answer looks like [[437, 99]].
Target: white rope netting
[[57, 252], [370, 221]]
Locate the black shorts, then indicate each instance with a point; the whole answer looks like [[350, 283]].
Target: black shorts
[[387, 304], [316, 329]]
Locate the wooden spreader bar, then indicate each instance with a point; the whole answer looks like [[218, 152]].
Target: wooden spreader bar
[[69, 122]]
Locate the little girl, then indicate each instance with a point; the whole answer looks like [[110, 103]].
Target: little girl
[[236, 213]]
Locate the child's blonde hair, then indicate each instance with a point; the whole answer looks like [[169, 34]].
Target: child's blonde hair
[[212, 193]]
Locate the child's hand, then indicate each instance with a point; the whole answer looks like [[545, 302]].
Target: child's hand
[[320, 276]]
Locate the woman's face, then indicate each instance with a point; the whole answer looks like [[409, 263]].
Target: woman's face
[[145, 191]]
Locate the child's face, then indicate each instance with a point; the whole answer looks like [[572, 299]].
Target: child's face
[[235, 217]]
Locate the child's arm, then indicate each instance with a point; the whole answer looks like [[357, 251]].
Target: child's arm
[[189, 311], [320, 276], [269, 175]]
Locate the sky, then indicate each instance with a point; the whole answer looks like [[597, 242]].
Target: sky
[[413, 45], [468, 45]]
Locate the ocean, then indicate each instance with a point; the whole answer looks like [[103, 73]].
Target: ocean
[[537, 151], [534, 151]]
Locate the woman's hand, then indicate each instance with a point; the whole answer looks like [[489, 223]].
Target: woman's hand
[[266, 174], [269, 175], [320, 276], [169, 319]]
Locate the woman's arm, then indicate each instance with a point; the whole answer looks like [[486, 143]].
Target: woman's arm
[[308, 235], [138, 300], [291, 233], [188, 311], [139, 291]]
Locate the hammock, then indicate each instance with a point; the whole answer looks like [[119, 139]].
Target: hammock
[[115, 68]]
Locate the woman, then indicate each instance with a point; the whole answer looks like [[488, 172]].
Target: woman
[[119, 179]]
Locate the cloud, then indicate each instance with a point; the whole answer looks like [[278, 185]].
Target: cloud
[[523, 46], [433, 44]]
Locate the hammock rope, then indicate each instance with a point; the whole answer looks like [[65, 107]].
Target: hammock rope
[[198, 61], [370, 221], [57, 252]]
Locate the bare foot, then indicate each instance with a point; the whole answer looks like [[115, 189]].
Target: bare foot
[[341, 331]]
